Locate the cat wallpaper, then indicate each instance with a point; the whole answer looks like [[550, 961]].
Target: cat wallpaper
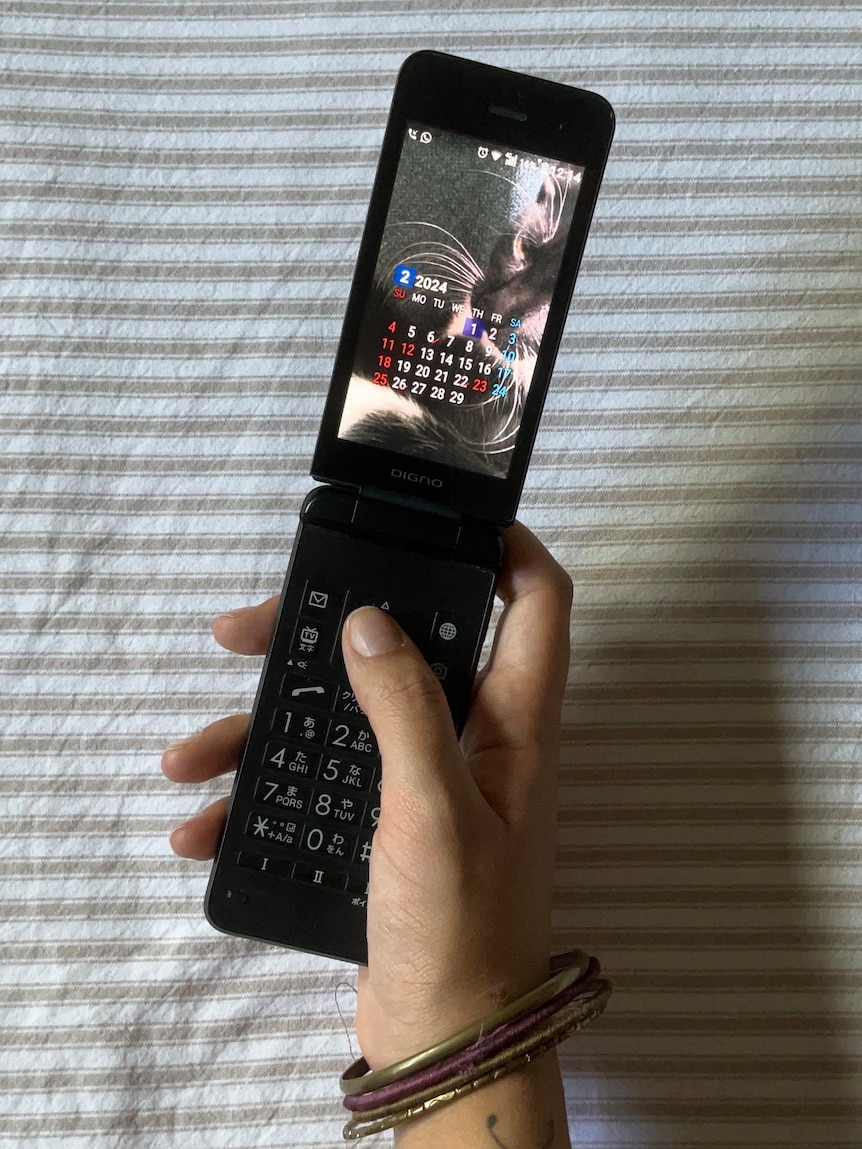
[[467, 266]]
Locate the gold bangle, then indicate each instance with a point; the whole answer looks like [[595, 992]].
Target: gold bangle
[[358, 1077], [572, 1018]]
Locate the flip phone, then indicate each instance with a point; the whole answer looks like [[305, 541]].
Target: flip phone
[[478, 218]]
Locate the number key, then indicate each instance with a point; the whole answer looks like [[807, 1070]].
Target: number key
[[343, 772], [311, 728], [346, 809], [291, 760], [372, 817], [284, 794], [334, 843], [356, 737]]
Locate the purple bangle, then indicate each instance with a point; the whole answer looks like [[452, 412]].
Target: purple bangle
[[471, 1057]]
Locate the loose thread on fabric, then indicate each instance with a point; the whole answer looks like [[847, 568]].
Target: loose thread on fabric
[[348, 1029]]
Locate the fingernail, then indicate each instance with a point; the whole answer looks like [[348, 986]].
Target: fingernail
[[179, 745], [240, 610], [371, 632]]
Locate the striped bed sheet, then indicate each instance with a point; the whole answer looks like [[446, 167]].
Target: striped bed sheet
[[183, 186]]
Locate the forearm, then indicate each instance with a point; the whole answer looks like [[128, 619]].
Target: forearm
[[524, 1110]]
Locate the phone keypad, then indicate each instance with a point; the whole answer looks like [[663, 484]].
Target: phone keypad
[[317, 793], [306, 802]]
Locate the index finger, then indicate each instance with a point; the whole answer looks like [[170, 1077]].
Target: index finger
[[248, 629], [519, 699]]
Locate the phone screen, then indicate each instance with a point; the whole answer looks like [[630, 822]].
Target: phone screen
[[469, 259]]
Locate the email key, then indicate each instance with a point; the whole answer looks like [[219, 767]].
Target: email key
[[318, 599]]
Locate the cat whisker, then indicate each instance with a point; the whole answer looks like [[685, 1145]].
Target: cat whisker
[[512, 183], [558, 202], [467, 256], [449, 258], [443, 259]]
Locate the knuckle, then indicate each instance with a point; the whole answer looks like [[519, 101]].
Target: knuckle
[[413, 691], [561, 585]]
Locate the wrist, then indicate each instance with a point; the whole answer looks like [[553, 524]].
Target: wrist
[[511, 1043], [388, 1031], [478, 1043]]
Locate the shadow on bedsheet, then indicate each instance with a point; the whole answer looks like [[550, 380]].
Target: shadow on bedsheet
[[694, 862]]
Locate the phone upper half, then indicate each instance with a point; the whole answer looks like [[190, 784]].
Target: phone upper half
[[478, 219]]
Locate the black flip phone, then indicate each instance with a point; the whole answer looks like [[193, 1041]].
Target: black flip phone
[[478, 219]]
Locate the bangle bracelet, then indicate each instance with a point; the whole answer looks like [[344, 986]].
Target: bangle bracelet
[[566, 969], [503, 1037], [571, 1018]]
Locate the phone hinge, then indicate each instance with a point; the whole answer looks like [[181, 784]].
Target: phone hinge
[[400, 521], [406, 519], [412, 502]]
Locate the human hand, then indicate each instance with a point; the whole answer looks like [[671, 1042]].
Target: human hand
[[459, 912]]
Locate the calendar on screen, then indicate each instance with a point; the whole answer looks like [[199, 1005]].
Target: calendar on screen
[[469, 259]]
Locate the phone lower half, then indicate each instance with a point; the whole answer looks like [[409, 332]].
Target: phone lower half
[[293, 862]]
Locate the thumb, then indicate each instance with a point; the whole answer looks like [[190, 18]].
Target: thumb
[[405, 704]]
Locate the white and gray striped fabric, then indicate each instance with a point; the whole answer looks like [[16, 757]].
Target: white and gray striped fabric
[[183, 188]]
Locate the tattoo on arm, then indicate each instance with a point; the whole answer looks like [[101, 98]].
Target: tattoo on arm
[[492, 1121]]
